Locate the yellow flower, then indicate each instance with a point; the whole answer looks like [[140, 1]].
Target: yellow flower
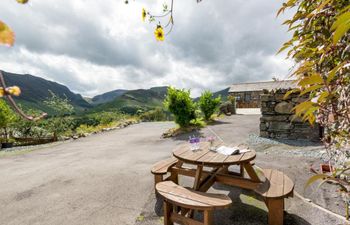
[[22, 1], [159, 33], [2, 92], [16, 91], [144, 14]]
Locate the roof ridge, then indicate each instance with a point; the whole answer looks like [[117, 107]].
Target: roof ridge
[[259, 82]]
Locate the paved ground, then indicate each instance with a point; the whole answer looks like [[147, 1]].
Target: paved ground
[[104, 179]]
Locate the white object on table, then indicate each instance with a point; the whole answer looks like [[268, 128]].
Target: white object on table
[[231, 150]]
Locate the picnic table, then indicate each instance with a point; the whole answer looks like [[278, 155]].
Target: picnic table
[[207, 167]]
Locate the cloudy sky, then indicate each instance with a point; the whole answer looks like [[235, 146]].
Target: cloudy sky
[[97, 46]]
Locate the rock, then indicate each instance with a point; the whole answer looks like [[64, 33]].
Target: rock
[[274, 118], [264, 134], [265, 97], [308, 200], [263, 126], [296, 119], [75, 137], [284, 108], [280, 97], [278, 126]]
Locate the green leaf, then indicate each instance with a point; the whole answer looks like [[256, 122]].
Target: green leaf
[[314, 79], [333, 72], [7, 37], [315, 178], [341, 26], [340, 32], [342, 19], [290, 92], [302, 107], [323, 96], [322, 5], [310, 89]]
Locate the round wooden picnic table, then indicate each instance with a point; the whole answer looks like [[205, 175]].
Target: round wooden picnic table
[[206, 157]]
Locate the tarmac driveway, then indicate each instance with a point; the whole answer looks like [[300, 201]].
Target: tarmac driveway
[[105, 179]]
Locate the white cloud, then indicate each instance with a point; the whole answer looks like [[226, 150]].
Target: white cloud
[[94, 47]]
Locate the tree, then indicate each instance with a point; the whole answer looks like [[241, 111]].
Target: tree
[[7, 117], [60, 122], [179, 103], [320, 48], [208, 104]]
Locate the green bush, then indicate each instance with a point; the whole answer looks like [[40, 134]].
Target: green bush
[[7, 118], [232, 99], [157, 114], [179, 103], [60, 122], [208, 104]]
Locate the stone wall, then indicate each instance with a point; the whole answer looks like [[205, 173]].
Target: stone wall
[[277, 120]]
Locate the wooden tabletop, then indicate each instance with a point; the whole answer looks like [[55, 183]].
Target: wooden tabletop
[[206, 157]]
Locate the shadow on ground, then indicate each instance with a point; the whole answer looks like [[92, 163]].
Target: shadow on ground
[[247, 209]]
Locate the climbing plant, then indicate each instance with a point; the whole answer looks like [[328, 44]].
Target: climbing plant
[[321, 50]]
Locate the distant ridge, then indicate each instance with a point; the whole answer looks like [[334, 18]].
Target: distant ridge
[[135, 100], [35, 90], [107, 97]]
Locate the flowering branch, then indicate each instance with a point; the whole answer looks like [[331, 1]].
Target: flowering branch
[[159, 31], [16, 91]]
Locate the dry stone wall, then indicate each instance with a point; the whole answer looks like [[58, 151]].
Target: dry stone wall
[[279, 122]]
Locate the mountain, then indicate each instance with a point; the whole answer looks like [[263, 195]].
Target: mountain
[[107, 97], [35, 90], [222, 93], [134, 100]]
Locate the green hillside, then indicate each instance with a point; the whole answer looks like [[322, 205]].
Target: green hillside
[[222, 93], [107, 97], [36, 90], [134, 100]]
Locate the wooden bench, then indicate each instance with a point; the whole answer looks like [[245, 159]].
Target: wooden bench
[[161, 168], [177, 196], [274, 190]]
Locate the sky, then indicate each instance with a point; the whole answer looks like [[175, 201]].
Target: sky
[[96, 46]]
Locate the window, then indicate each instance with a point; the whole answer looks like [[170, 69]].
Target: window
[[248, 97]]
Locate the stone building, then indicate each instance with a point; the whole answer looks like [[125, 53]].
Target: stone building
[[277, 118], [248, 95]]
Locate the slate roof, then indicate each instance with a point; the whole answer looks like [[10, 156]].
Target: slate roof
[[259, 86]]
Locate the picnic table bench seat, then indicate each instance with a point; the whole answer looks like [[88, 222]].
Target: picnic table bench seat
[[274, 190], [176, 195], [161, 168]]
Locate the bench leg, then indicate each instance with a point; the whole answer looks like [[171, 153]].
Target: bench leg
[[208, 217], [168, 209], [174, 177], [157, 179], [241, 170], [276, 211]]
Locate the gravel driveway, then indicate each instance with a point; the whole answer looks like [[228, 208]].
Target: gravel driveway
[[105, 179]]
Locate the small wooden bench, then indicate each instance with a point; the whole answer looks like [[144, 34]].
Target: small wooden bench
[[161, 168], [274, 190], [175, 195]]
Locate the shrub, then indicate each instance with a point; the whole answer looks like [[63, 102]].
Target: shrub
[[60, 123], [157, 114], [7, 117], [208, 104], [85, 129], [180, 104], [232, 99]]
